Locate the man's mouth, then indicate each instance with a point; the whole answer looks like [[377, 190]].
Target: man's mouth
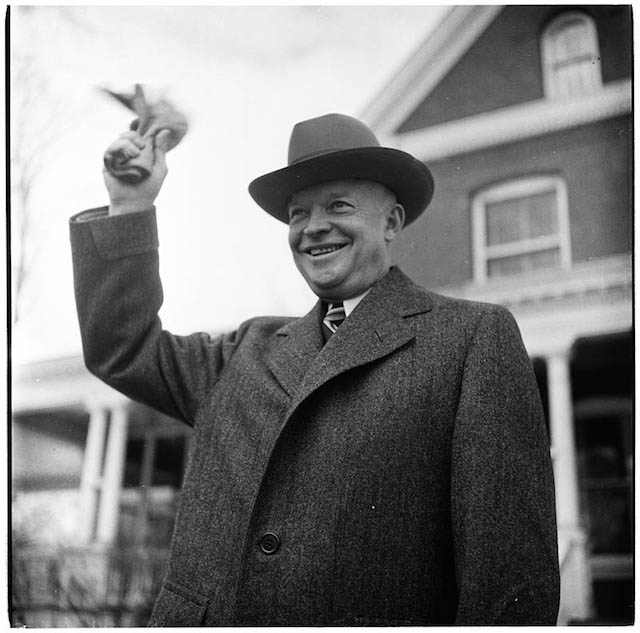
[[323, 250]]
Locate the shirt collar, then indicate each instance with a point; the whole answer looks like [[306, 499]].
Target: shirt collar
[[350, 304]]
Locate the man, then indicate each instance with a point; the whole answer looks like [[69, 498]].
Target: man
[[392, 468]]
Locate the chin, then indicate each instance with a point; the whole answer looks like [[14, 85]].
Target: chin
[[324, 282], [323, 289]]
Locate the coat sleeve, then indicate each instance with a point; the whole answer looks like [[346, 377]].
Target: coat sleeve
[[118, 296], [503, 507]]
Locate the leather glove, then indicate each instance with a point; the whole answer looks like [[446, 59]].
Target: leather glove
[[151, 119]]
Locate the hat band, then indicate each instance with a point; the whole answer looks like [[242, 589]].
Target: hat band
[[322, 152]]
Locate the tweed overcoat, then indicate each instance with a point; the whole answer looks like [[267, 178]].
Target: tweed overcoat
[[404, 466]]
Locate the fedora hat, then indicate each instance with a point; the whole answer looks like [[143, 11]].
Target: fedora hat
[[339, 147]]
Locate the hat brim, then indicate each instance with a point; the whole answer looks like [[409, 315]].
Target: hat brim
[[407, 177]]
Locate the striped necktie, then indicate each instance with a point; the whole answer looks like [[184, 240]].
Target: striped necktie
[[333, 318]]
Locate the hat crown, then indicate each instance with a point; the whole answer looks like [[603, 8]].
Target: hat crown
[[327, 134]]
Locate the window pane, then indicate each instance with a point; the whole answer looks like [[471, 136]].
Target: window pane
[[607, 506], [523, 263], [133, 463], [572, 41], [169, 461], [543, 214], [605, 482], [522, 218]]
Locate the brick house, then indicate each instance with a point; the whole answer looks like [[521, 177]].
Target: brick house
[[523, 114]]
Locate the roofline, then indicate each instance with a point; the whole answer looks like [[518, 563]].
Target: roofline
[[516, 123], [441, 50]]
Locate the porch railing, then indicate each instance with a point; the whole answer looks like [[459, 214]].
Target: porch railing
[[85, 587]]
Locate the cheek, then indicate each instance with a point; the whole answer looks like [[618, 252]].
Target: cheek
[[293, 238], [371, 242]]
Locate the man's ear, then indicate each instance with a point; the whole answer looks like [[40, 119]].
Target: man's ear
[[395, 221]]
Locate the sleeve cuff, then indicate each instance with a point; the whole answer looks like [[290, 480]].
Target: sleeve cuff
[[118, 236]]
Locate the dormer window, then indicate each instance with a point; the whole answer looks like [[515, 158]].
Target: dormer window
[[571, 56]]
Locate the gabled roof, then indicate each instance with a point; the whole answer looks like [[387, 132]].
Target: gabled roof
[[444, 47], [437, 57]]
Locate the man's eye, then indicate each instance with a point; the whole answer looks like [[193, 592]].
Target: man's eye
[[295, 213], [340, 205]]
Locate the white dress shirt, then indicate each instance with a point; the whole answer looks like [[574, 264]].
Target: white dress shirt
[[350, 304]]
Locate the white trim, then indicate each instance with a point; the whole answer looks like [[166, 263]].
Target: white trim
[[57, 391], [554, 88], [594, 278], [91, 478], [554, 308], [112, 476], [564, 228], [519, 188], [447, 43], [562, 440], [516, 123], [479, 240], [522, 247]]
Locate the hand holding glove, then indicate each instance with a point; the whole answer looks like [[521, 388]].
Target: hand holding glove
[[134, 164]]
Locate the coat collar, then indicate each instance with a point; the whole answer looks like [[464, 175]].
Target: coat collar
[[376, 327]]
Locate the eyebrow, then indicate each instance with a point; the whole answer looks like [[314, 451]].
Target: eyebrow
[[331, 194]]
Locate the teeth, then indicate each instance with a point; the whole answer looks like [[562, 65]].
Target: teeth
[[322, 251]]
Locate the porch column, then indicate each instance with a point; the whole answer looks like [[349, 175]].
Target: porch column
[[90, 480], [562, 439], [575, 593], [113, 475], [146, 482]]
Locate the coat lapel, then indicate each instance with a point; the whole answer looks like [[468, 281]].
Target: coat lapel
[[377, 327], [298, 345]]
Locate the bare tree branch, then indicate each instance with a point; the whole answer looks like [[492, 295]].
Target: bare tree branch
[[38, 120]]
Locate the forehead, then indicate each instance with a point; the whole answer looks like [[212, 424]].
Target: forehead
[[336, 189]]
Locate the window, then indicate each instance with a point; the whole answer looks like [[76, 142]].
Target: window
[[570, 56], [521, 226], [154, 467]]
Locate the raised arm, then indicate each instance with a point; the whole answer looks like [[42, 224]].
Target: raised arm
[[118, 295]]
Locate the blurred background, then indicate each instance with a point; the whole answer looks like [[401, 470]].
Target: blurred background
[[522, 113]]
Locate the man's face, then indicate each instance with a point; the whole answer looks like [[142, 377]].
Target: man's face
[[339, 233]]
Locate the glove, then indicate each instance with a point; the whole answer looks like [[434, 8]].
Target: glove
[[151, 119]]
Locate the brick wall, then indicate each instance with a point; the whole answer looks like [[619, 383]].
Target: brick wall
[[594, 160], [503, 67]]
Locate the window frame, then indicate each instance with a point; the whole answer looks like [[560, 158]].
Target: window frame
[[519, 188], [553, 87]]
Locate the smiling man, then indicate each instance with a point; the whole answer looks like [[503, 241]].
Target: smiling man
[[382, 460], [339, 234]]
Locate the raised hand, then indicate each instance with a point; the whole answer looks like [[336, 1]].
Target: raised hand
[[129, 197]]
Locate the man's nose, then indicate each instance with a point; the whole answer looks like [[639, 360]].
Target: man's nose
[[318, 223]]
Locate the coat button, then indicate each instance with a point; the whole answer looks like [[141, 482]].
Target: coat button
[[269, 543]]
